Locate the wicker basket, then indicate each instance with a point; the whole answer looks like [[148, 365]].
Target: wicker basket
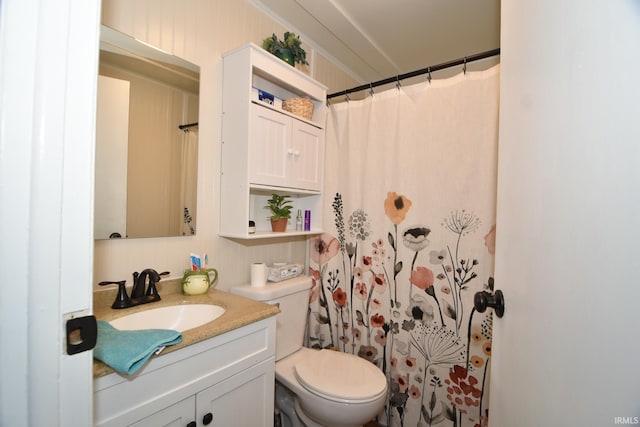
[[301, 107]]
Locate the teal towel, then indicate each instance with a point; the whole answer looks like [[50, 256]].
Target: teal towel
[[128, 351]]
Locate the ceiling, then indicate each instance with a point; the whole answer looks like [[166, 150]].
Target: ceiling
[[377, 39]]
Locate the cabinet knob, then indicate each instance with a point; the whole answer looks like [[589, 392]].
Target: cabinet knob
[[207, 418], [192, 424], [290, 151], [296, 153]]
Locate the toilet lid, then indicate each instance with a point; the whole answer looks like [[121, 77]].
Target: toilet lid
[[340, 375]]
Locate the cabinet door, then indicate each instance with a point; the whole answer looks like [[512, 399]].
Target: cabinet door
[[306, 157], [243, 400], [269, 143], [177, 415]]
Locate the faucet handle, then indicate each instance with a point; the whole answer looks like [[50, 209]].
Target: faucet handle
[[152, 291], [122, 299]]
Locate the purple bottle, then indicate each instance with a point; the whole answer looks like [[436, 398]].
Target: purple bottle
[[307, 220]]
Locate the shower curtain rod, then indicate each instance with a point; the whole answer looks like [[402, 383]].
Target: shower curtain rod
[[428, 70], [187, 126]]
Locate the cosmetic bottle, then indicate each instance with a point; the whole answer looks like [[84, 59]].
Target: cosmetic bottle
[[299, 221], [307, 220]]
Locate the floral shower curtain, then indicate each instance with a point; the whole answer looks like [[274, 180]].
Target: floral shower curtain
[[409, 239], [188, 180]]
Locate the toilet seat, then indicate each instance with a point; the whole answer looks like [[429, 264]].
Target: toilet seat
[[340, 376]]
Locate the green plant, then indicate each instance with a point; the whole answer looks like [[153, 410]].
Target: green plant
[[291, 43], [280, 207]]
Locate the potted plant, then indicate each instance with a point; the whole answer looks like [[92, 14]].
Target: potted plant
[[289, 50], [280, 207]]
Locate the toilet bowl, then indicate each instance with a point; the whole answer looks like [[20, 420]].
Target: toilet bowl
[[332, 388], [319, 387]]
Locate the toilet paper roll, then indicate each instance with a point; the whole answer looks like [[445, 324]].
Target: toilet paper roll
[[258, 274]]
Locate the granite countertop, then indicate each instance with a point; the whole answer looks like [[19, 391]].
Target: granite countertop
[[239, 312]]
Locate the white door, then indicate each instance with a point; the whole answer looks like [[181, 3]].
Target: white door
[[181, 414], [306, 156], [219, 404], [567, 254], [270, 140], [47, 128]]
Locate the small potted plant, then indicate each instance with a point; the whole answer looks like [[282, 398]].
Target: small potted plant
[[289, 50], [280, 207]]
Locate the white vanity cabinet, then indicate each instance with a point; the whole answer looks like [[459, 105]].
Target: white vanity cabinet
[[265, 149], [227, 380]]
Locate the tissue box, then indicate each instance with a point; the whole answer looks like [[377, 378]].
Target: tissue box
[[282, 271]]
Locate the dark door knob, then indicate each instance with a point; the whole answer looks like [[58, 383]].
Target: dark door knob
[[207, 418], [485, 299], [192, 424]]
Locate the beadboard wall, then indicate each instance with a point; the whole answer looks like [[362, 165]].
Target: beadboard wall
[[201, 31]]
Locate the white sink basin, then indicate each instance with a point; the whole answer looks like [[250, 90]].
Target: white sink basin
[[177, 317]]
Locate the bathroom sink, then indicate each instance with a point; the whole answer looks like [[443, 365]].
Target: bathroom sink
[[177, 317]]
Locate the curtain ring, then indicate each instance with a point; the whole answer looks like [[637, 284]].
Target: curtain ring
[[429, 75], [371, 89], [398, 82], [346, 96], [464, 67]]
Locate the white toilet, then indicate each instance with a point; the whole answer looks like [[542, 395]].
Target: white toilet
[[316, 387]]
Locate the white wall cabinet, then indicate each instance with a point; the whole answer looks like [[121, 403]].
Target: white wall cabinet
[[265, 149], [203, 384], [284, 152]]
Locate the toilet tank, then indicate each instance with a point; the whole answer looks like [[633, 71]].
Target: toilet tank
[[292, 296]]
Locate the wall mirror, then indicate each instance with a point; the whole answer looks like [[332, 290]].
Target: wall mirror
[[146, 141]]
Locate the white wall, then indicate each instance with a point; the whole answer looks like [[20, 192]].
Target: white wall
[[200, 31]]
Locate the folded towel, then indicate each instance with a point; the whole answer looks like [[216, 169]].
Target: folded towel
[[128, 351]]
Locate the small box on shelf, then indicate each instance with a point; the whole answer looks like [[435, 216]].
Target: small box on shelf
[[267, 98]]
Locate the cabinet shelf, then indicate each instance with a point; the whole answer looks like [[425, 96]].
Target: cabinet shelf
[[270, 189], [271, 235]]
